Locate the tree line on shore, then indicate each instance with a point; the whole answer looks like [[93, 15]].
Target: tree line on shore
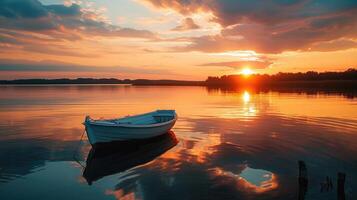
[[350, 74]]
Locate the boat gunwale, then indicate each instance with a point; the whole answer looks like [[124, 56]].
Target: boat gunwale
[[133, 125]]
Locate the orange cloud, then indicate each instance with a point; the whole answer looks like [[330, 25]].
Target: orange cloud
[[241, 64], [30, 24], [270, 26], [186, 24]]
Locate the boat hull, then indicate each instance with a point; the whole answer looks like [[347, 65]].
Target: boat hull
[[104, 134]]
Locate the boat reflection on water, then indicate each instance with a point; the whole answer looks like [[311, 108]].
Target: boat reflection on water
[[117, 157]]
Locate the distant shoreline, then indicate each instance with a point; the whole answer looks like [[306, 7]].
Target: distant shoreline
[[333, 84], [89, 81], [327, 80]]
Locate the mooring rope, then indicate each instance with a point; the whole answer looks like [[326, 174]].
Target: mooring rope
[[76, 150]]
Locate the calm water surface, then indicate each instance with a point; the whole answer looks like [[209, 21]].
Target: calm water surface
[[225, 145]]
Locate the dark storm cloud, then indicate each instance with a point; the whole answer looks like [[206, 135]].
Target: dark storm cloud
[[270, 26]]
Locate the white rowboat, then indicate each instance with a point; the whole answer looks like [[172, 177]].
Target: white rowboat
[[142, 126]]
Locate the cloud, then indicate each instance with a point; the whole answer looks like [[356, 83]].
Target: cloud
[[240, 64], [28, 26], [186, 24], [54, 66], [334, 45], [58, 50], [228, 12], [60, 21], [22, 9], [269, 26]]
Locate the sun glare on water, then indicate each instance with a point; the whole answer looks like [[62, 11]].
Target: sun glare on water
[[246, 97], [246, 71]]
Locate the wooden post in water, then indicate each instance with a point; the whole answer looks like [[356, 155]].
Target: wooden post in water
[[341, 186], [303, 181]]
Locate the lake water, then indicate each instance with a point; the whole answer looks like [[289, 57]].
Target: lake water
[[226, 145]]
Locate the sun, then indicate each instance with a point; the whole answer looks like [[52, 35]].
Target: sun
[[247, 71]]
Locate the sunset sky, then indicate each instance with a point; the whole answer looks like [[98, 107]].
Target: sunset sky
[[174, 39]]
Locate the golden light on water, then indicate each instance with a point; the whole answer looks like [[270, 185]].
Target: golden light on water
[[248, 108], [246, 97]]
